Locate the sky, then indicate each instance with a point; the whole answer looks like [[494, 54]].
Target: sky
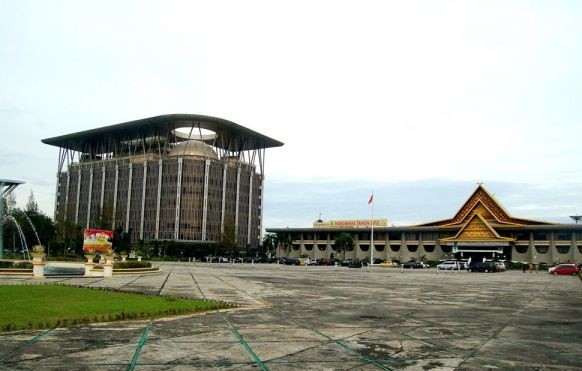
[[414, 101]]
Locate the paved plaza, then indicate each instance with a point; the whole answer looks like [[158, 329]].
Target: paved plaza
[[321, 318]]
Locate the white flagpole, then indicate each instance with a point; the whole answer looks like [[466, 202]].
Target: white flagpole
[[372, 234]]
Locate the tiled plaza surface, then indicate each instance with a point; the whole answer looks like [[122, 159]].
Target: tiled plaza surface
[[321, 318]]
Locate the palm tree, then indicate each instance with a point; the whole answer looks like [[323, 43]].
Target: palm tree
[[343, 242], [270, 241], [283, 240]]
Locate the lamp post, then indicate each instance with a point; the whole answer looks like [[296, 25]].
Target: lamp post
[[6, 187]]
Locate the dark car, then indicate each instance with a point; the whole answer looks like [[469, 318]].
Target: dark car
[[356, 263], [293, 261], [482, 267], [413, 265], [346, 263]]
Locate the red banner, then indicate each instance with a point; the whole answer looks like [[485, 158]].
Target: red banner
[[97, 240]]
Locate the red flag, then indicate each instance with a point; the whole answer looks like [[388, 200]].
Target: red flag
[[371, 199]]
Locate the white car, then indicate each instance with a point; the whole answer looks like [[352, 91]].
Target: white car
[[449, 265]]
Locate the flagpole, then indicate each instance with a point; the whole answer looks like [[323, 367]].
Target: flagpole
[[372, 234]]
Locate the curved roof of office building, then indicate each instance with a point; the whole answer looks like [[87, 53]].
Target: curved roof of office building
[[228, 135]]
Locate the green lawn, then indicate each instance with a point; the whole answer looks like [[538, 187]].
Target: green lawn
[[45, 306]]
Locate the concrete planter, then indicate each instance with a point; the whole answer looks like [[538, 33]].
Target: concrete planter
[[89, 264], [38, 265]]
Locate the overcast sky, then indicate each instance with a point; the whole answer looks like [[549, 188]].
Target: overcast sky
[[416, 101]]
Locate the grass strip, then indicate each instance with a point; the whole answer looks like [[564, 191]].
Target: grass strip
[[48, 306]]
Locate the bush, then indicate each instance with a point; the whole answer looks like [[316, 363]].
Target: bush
[[15, 265], [132, 264]]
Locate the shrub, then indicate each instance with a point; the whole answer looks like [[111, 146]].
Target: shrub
[[15, 265], [132, 264]]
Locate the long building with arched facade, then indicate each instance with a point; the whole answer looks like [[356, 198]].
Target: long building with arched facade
[[481, 228]]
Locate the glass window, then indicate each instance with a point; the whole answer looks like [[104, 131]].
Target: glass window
[[522, 235], [562, 235], [364, 247], [295, 246], [411, 236], [540, 236], [504, 233], [542, 249], [412, 248], [364, 236], [295, 236], [394, 236], [309, 247], [308, 236], [428, 248], [395, 247], [379, 248], [321, 236], [430, 236], [379, 236], [563, 249], [446, 249], [322, 247], [522, 249], [578, 235]]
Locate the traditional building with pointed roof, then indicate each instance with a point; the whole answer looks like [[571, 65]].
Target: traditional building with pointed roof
[[481, 228]]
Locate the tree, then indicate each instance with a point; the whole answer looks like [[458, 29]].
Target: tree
[[31, 205], [283, 240], [270, 242], [227, 242], [343, 242]]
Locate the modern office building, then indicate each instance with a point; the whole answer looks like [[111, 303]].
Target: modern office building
[[481, 228], [179, 177]]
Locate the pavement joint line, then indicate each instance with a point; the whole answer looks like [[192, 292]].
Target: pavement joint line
[[341, 343], [164, 284], [263, 303], [130, 282], [139, 347], [509, 322], [25, 345], [236, 334]]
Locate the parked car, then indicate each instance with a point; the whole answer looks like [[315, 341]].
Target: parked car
[[449, 265], [356, 263], [412, 264], [500, 266], [486, 267], [572, 269], [388, 264], [293, 261], [346, 262], [326, 261], [311, 261]]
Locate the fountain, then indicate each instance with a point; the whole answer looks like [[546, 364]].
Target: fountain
[[6, 187]]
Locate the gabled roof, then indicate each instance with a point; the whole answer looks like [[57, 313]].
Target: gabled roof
[[482, 202], [477, 229]]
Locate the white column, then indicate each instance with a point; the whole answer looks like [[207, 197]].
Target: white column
[[67, 193], [205, 202], [236, 206], [90, 196], [102, 187], [159, 199], [78, 195], [223, 198], [143, 195], [57, 194], [262, 197], [115, 196], [130, 176], [178, 197], [250, 209]]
